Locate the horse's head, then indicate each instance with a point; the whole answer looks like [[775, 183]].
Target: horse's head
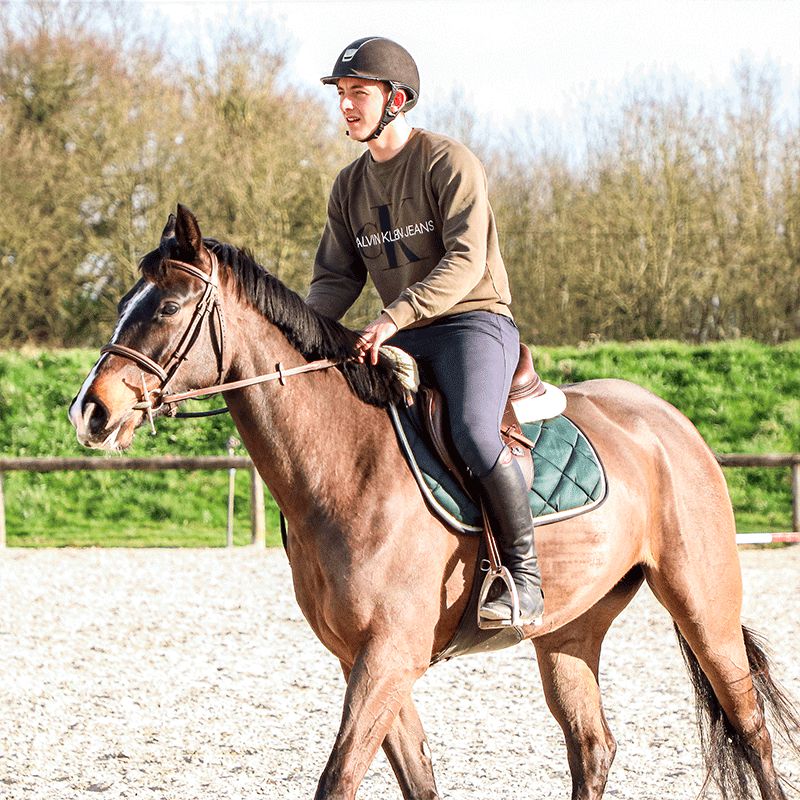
[[172, 310]]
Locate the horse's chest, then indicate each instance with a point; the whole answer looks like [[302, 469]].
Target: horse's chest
[[336, 596]]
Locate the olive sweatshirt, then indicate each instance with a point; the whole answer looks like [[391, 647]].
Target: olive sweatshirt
[[421, 226]]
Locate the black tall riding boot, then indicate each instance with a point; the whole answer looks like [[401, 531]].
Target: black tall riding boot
[[505, 493]]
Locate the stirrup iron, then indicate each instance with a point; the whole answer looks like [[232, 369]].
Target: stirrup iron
[[499, 573]]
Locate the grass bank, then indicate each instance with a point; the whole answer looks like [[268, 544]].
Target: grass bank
[[122, 509], [743, 397]]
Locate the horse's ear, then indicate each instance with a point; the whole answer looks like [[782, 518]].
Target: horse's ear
[[187, 232], [169, 229]]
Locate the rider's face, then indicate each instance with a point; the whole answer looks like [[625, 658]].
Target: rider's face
[[361, 102]]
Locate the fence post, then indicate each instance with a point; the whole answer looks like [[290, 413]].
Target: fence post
[[232, 445], [2, 515], [796, 497], [257, 524]]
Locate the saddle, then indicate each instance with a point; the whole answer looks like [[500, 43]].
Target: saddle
[[526, 387], [530, 399]]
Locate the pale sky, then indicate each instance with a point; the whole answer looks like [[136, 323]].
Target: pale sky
[[528, 57]]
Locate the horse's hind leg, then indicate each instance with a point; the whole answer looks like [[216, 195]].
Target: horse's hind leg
[[569, 662], [736, 746], [736, 742], [406, 748]]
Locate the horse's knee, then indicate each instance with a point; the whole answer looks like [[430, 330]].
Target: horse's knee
[[601, 756], [333, 785], [590, 761]]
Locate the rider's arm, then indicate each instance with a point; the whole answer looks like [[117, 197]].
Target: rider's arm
[[339, 274], [458, 182]]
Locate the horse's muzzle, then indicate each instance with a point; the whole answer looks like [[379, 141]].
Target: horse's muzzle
[[91, 418]]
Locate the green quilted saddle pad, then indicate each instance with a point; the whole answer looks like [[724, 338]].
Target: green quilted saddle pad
[[568, 476]]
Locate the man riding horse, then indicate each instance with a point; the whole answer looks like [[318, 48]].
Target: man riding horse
[[413, 212]]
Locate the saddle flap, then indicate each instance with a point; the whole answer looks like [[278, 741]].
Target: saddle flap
[[434, 418]]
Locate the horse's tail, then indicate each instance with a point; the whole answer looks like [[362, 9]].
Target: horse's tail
[[730, 760]]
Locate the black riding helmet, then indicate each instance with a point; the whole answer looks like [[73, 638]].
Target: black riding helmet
[[379, 59]]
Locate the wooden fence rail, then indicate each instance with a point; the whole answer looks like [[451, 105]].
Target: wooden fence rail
[[771, 460], [257, 526]]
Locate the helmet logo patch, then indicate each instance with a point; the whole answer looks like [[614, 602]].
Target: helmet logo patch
[[348, 54]]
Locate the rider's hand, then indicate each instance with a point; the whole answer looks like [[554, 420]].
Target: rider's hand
[[374, 335]]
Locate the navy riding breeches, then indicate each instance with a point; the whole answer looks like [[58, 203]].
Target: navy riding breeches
[[471, 358]]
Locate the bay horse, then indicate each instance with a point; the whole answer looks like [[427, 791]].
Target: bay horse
[[381, 580]]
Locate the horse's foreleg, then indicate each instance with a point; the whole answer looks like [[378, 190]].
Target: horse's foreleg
[[569, 662], [377, 688], [406, 747], [569, 677]]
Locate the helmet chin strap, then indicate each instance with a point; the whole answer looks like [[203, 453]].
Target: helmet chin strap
[[388, 116]]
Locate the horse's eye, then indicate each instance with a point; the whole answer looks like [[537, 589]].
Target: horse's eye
[[169, 308]]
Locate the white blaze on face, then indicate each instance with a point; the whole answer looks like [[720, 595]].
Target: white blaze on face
[[76, 409], [132, 304]]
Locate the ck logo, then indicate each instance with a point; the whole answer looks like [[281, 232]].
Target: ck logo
[[375, 241]]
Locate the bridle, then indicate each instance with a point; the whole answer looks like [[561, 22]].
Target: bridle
[[208, 307]]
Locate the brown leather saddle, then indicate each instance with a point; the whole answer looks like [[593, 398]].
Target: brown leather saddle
[[525, 383]]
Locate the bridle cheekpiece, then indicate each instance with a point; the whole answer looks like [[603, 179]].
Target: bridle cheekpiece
[[208, 306]]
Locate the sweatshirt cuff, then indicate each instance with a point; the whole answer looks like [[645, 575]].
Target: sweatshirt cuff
[[401, 312]]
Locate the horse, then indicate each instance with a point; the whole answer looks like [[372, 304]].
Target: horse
[[381, 580]]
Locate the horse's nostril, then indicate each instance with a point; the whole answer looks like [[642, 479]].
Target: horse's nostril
[[95, 416]]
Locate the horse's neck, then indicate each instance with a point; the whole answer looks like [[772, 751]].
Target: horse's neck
[[312, 440]]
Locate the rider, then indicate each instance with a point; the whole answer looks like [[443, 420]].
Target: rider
[[413, 212]]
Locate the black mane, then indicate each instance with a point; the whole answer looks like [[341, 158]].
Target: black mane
[[313, 335]]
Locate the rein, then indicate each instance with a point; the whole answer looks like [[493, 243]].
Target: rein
[[280, 374], [208, 306]]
